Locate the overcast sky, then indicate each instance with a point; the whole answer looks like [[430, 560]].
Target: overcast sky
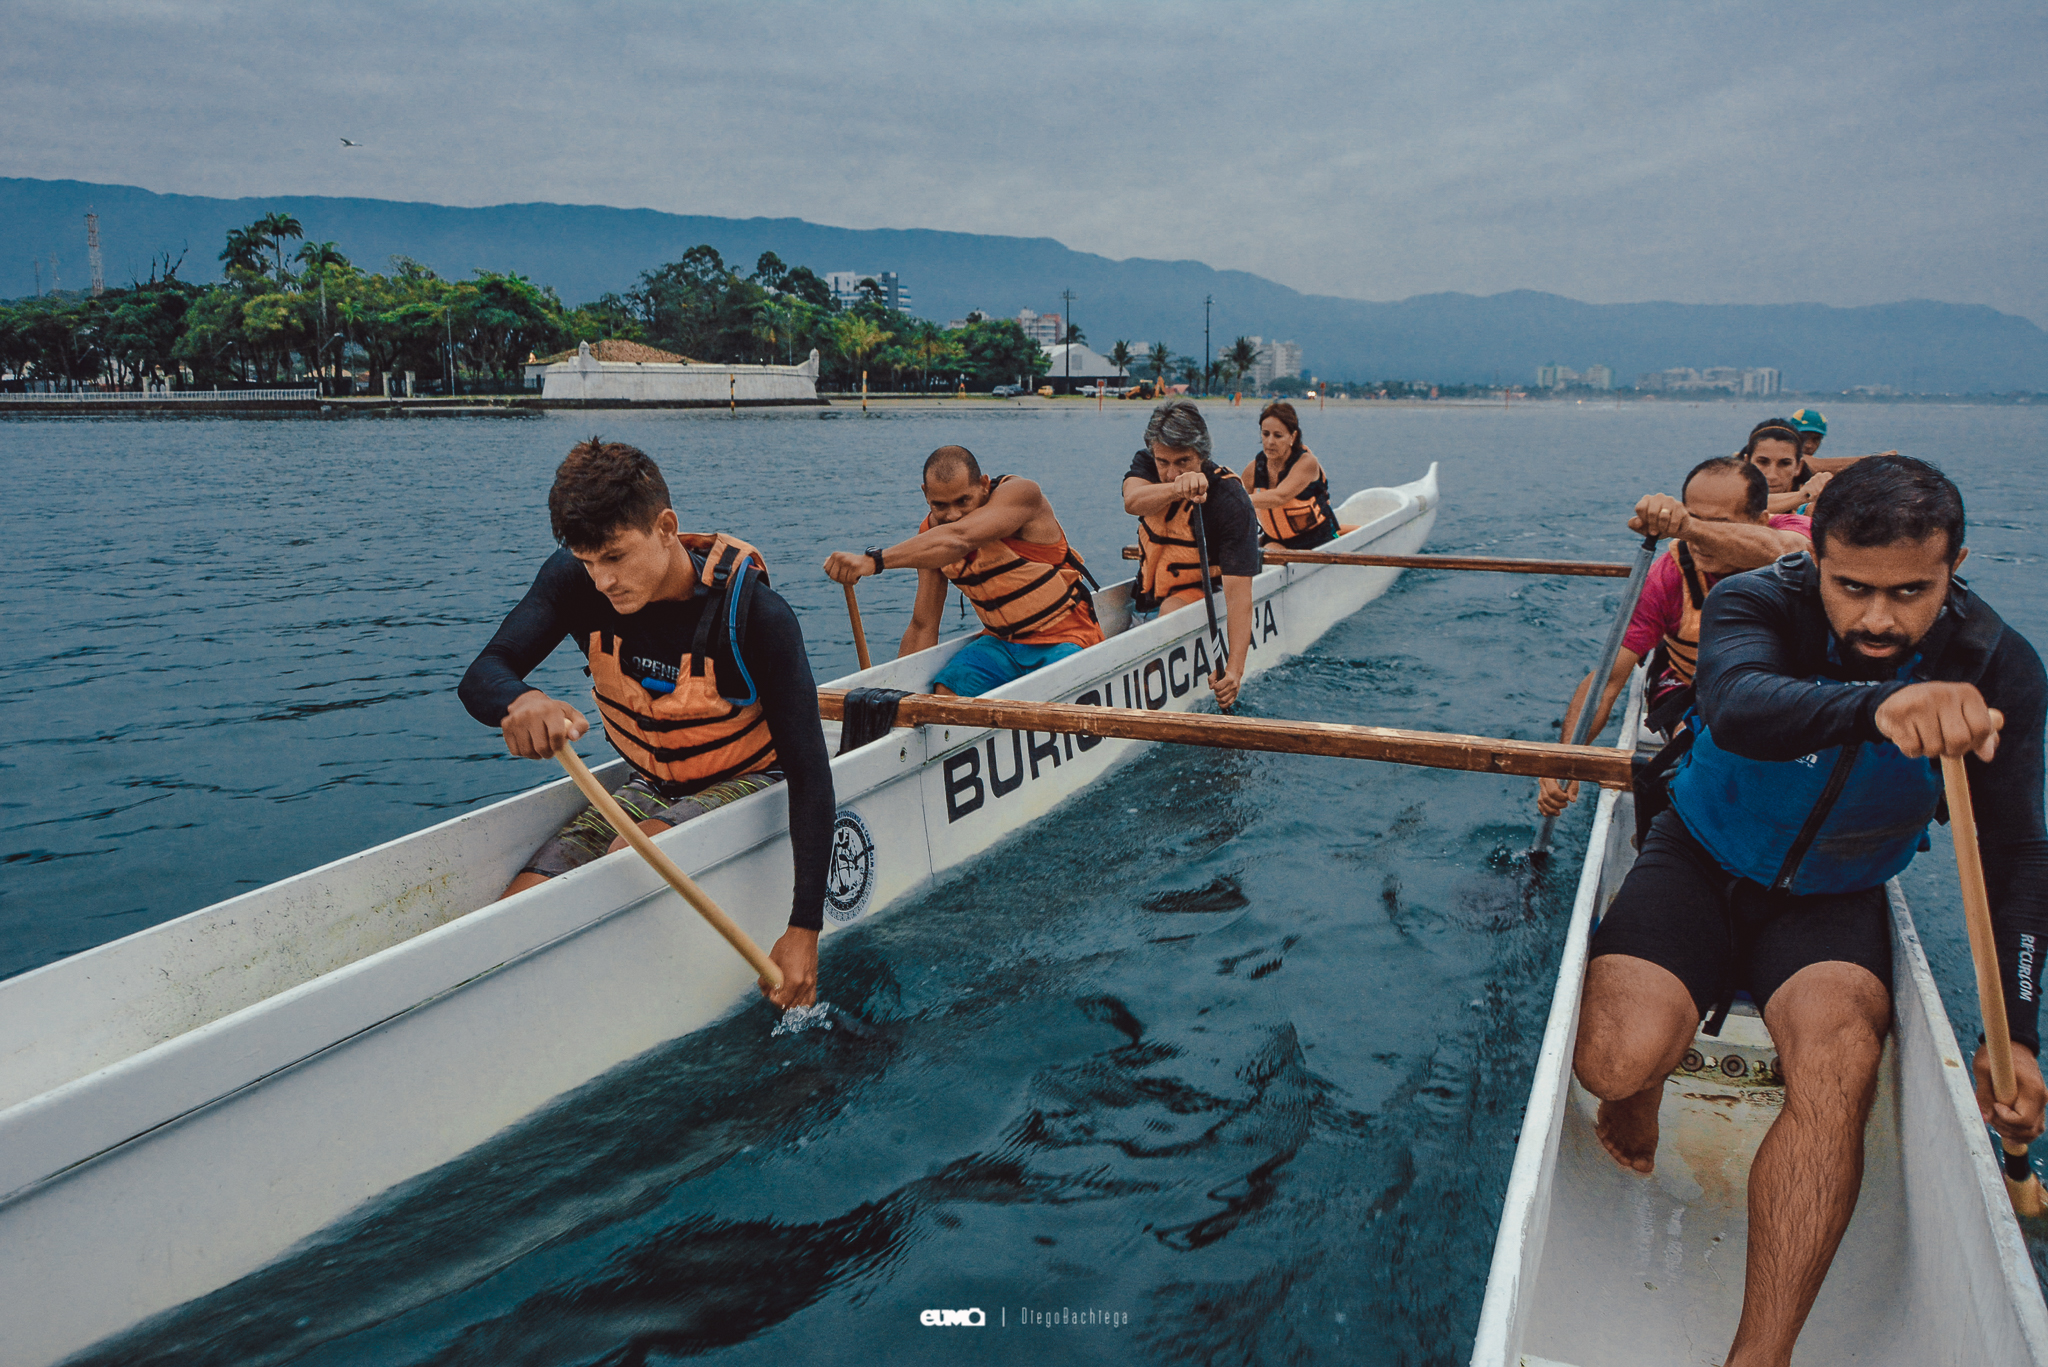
[[1734, 152]]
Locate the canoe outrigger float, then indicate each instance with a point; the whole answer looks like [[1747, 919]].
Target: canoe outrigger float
[[1597, 1267], [180, 1106]]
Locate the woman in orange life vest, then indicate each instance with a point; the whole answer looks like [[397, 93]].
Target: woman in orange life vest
[[1290, 493], [1165, 483], [699, 674], [999, 541], [1720, 528]]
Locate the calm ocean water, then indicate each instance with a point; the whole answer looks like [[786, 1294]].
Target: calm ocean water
[[1234, 1048]]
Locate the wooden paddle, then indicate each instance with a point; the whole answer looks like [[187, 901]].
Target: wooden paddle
[[1599, 568], [860, 637], [1582, 726], [625, 825], [1208, 588], [2021, 1185], [1429, 749]]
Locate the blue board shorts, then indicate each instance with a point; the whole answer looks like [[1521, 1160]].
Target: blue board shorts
[[989, 662]]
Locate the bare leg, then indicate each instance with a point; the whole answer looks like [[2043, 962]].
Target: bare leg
[[944, 692], [524, 881], [1635, 1023], [1829, 1022], [530, 879]]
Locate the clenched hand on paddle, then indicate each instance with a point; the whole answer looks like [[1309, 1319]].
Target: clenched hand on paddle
[[537, 726]]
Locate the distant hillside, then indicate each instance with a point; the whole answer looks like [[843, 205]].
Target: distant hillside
[[585, 251]]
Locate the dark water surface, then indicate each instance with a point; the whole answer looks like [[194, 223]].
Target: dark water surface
[[1234, 1048]]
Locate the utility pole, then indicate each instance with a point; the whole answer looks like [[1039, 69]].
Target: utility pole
[[1068, 323], [448, 317], [1207, 300], [92, 252], [37, 262]]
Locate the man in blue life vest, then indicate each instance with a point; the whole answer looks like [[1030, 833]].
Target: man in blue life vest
[[1000, 543], [1826, 686]]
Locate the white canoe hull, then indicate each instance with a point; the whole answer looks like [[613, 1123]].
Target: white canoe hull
[[1596, 1267], [179, 1107]]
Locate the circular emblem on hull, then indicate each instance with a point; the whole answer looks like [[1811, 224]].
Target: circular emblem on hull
[[850, 879]]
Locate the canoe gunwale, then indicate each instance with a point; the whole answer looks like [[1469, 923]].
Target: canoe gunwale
[[1526, 1205]]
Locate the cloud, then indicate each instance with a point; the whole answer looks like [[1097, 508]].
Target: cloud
[[1607, 151]]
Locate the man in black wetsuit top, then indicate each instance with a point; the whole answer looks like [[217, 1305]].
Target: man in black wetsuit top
[[698, 670], [1826, 684]]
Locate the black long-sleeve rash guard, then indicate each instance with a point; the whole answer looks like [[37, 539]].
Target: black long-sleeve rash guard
[[564, 604], [1762, 689]]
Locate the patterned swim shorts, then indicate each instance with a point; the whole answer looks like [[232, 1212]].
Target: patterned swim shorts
[[589, 835]]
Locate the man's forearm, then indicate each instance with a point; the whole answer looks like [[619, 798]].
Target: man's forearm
[[1237, 601], [916, 638], [1148, 498], [1746, 546], [928, 550]]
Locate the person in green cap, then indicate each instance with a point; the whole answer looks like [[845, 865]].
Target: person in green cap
[[1812, 426]]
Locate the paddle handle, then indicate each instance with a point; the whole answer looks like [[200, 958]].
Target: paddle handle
[[2021, 1185], [1208, 589], [626, 826], [1962, 824], [860, 635], [1582, 727]]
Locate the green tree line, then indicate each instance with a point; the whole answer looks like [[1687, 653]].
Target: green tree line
[[284, 316]]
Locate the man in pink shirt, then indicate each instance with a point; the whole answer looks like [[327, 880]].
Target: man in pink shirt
[[1720, 526]]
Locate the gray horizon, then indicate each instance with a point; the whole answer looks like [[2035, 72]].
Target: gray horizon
[[1737, 154]]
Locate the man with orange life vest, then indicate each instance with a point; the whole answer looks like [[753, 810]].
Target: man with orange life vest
[[1290, 493], [699, 673], [1000, 543], [1721, 528], [1166, 482]]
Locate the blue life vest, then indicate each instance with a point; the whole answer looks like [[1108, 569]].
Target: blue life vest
[[1751, 814]]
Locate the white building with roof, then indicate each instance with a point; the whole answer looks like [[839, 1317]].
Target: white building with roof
[[1089, 368]]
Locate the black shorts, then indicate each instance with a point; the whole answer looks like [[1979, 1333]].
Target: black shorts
[[1721, 934]]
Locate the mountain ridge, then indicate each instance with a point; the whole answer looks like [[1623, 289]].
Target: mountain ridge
[[1439, 337]]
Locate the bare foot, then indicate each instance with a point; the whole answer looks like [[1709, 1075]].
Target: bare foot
[[1628, 1129]]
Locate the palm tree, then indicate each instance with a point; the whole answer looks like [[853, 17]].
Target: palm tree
[[1243, 356], [244, 250], [1162, 361], [1120, 357], [275, 228], [320, 254], [857, 337]]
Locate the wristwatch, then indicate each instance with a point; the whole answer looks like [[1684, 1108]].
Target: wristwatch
[[875, 554]]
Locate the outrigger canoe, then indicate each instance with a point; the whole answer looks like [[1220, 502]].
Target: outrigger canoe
[[180, 1106], [1597, 1267]]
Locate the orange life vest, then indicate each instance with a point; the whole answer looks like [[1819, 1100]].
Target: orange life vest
[[693, 736], [1681, 648], [1168, 560], [1018, 598], [1303, 521]]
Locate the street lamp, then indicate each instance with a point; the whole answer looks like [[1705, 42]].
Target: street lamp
[[1207, 300], [1068, 297]]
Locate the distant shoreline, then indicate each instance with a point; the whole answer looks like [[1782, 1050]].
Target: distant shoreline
[[833, 405]]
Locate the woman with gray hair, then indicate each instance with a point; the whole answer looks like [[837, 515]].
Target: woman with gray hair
[[1167, 483]]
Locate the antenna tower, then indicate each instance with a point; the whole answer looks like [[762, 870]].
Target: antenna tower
[[92, 250]]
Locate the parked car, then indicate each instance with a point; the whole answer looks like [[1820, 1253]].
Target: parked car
[[1008, 391]]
